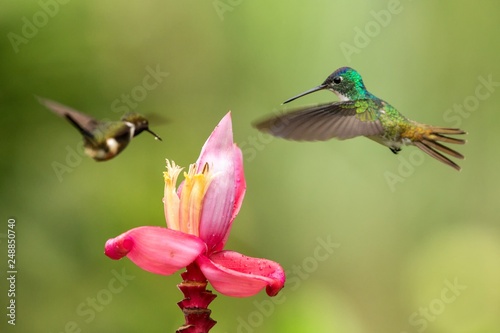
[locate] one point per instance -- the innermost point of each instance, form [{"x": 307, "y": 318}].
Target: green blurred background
[{"x": 418, "y": 243}]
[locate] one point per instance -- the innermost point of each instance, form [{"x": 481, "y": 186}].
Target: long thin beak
[
  {"x": 154, "y": 134},
  {"x": 310, "y": 91}
]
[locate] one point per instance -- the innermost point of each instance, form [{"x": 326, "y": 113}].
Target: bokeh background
[{"x": 417, "y": 244}]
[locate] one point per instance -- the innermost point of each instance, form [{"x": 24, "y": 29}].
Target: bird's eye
[{"x": 337, "y": 79}]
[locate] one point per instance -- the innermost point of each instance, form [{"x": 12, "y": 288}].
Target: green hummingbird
[
  {"x": 360, "y": 113},
  {"x": 103, "y": 140}
]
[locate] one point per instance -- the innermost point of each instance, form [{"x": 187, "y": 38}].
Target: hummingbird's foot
[{"x": 395, "y": 150}]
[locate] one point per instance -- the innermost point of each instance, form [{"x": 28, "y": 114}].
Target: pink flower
[{"x": 199, "y": 215}]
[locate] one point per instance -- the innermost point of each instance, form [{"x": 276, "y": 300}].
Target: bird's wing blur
[
  {"x": 84, "y": 123},
  {"x": 341, "y": 120}
]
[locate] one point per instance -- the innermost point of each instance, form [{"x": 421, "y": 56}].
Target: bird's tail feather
[{"x": 430, "y": 145}]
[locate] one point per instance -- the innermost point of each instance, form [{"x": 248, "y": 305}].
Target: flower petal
[
  {"x": 241, "y": 184},
  {"x": 219, "y": 201},
  {"x": 233, "y": 274},
  {"x": 155, "y": 249},
  {"x": 240, "y": 189}
]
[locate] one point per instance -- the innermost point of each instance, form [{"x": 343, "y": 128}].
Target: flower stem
[{"x": 195, "y": 302}]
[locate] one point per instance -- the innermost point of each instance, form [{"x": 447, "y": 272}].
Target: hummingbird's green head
[
  {"x": 345, "y": 82},
  {"x": 139, "y": 122}
]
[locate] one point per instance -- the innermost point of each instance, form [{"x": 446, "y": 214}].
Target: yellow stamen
[
  {"x": 170, "y": 197},
  {"x": 193, "y": 192}
]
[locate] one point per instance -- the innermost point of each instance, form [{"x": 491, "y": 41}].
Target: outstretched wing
[
  {"x": 84, "y": 123},
  {"x": 341, "y": 120}
]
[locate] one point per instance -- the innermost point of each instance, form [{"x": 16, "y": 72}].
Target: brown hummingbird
[{"x": 103, "y": 140}]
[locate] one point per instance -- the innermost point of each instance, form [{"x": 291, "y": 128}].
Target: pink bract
[{"x": 199, "y": 215}]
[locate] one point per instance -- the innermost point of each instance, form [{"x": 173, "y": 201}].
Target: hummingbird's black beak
[
  {"x": 154, "y": 134},
  {"x": 310, "y": 91}
]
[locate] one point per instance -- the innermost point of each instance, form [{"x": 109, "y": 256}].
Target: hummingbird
[
  {"x": 103, "y": 140},
  {"x": 360, "y": 113}
]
